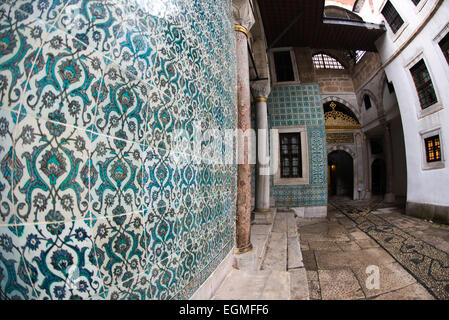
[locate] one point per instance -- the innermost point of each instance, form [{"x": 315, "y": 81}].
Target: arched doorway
[
  {"x": 341, "y": 174},
  {"x": 379, "y": 177}
]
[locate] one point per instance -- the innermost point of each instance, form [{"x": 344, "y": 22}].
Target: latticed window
[
  {"x": 423, "y": 84},
  {"x": 290, "y": 144},
  {"x": 392, "y": 16},
  {"x": 284, "y": 66},
  {"x": 323, "y": 61},
  {"x": 433, "y": 149},
  {"x": 444, "y": 45}
]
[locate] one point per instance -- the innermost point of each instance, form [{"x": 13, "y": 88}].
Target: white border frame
[
  {"x": 277, "y": 180},
  {"x": 437, "y": 106},
  {"x": 394, "y": 36},
  {"x": 436, "y": 41},
  {"x": 420, "y": 6},
  {"x": 431, "y": 165},
  {"x": 273, "y": 66}
]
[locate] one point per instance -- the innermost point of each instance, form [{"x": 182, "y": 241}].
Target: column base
[
  {"x": 262, "y": 210},
  {"x": 262, "y": 217},
  {"x": 389, "y": 197},
  {"x": 243, "y": 250}
]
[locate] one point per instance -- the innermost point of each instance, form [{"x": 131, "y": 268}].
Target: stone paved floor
[
  {"x": 331, "y": 259},
  {"x": 411, "y": 254}
]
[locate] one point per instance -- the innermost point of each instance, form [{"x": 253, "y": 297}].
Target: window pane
[
  {"x": 444, "y": 45},
  {"x": 283, "y": 65},
  {"x": 323, "y": 61},
  {"x": 291, "y": 166},
  {"x": 433, "y": 149},
  {"x": 423, "y": 83},
  {"x": 392, "y": 16}
]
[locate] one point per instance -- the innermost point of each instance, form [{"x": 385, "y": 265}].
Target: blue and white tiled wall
[
  {"x": 300, "y": 105},
  {"x": 96, "y": 201}
]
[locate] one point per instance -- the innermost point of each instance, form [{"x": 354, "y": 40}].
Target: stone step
[
  {"x": 294, "y": 254},
  {"x": 276, "y": 254},
  {"x": 255, "y": 285},
  {"x": 260, "y": 235},
  {"x": 274, "y": 269}
]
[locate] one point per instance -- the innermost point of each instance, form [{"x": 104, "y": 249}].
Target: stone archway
[{"x": 355, "y": 110}]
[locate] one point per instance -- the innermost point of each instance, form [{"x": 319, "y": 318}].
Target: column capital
[
  {"x": 261, "y": 89},
  {"x": 243, "y": 15}
]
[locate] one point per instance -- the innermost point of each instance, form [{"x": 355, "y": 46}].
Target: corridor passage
[
  {"x": 338, "y": 254},
  {"x": 411, "y": 254}
]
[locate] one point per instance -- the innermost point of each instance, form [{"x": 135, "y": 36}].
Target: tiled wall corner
[{"x": 97, "y": 199}]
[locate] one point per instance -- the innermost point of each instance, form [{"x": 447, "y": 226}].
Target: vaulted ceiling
[{"x": 301, "y": 23}]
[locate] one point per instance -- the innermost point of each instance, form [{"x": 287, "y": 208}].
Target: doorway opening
[
  {"x": 341, "y": 174},
  {"x": 379, "y": 177}
]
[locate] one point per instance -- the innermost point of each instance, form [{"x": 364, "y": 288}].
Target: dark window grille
[
  {"x": 392, "y": 16},
  {"x": 367, "y": 101},
  {"x": 323, "y": 61},
  {"x": 433, "y": 149},
  {"x": 423, "y": 83},
  {"x": 291, "y": 164},
  {"x": 284, "y": 66},
  {"x": 444, "y": 45}
]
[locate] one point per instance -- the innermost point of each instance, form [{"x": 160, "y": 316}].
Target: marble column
[
  {"x": 389, "y": 196},
  {"x": 261, "y": 91},
  {"x": 367, "y": 167},
  {"x": 244, "y": 20}
]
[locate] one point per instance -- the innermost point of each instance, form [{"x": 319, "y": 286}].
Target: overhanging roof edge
[{"x": 352, "y": 23}]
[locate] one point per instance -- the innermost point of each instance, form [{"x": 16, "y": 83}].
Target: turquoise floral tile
[
  {"x": 119, "y": 243},
  {"x": 122, "y": 113},
  {"x": 51, "y": 171},
  {"x": 15, "y": 278},
  {"x": 60, "y": 260},
  {"x": 93, "y": 22},
  {"x": 116, "y": 176},
  {"x": 67, "y": 78},
  {"x": 98, "y": 198},
  {"x": 23, "y": 35},
  {"x": 6, "y": 165}
]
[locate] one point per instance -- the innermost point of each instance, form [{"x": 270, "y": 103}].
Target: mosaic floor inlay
[{"x": 426, "y": 263}]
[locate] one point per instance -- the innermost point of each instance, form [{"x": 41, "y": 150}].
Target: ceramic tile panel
[
  {"x": 300, "y": 105},
  {"x": 99, "y": 198}
]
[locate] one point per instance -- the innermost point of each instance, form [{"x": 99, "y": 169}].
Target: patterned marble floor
[{"x": 420, "y": 247}]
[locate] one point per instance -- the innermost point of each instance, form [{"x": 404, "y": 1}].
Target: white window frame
[
  {"x": 436, "y": 43},
  {"x": 431, "y": 165},
  {"x": 437, "y": 106},
  {"x": 420, "y": 6},
  {"x": 394, "y": 36},
  {"x": 278, "y": 181},
  {"x": 273, "y": 66}
]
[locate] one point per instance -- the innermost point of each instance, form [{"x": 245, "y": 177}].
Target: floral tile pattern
[
  {"x": 115, "y": 176},
  {"x": 110, "y": 186},
  {"x": 66, "y": 77},
  {"x": 6, "y": 160},
  {"x": 51, "y": 171}
]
